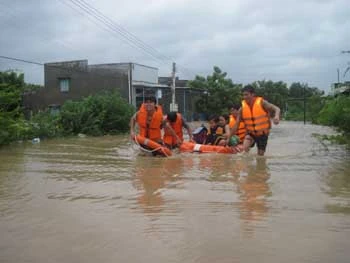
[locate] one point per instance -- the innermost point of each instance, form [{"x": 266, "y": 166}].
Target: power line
[
  {"x": 96, "y": 17},
  {"x": 22, "y": 60},
  {"x": 110, "y": 29},
  {"x": 111, "y": 26},
  {"x": 128, "y": 33},
  {"x": 116, "y": 28}
]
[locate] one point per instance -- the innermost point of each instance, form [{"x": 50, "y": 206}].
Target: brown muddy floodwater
[{"x": 97, "y": 200}]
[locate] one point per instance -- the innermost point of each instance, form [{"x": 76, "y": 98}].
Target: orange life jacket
[
  {"x": 256, "y": 119},
  {"x": 220, "y": 130},
  {"x": 151, "y": 130},
  {"x": 177, "y": 127},
  {"x": 241, "y": 131},
  {"x": 213, "y": 134}
]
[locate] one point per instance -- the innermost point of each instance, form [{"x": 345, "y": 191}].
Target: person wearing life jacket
[
  {"x": 241, "y": 131},
  {"x": 176, "y": 122},
  {"x": 224, "y": 121},
  {"x": 222, "y": 130},
  {"x": 150, "y": 121},
  {"x": 255, "y": 114}
]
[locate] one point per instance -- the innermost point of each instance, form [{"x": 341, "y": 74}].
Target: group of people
[
  {"x": 150, "y": 121},
  {"x": 248, "y": 124}
]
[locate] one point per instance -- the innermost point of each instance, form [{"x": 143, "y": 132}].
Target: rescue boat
[
  {"x": 152, "y": 146},
  {"x": 204, "y": 148}
]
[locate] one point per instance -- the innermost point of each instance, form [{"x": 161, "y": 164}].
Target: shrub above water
[{"x": 107, "y": 113}]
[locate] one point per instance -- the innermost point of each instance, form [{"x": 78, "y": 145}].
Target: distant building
[
  {"x": 341, "y": 88},
  {"x": 73, "y": 80}
]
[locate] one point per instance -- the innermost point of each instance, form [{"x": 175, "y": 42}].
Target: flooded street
[{"x": 99, "y": 200}]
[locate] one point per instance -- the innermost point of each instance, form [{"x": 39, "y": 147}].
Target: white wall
[{"x": 145, "y": 74}]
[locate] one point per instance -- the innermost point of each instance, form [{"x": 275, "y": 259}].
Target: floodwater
[{"x": 99, "y": 200}]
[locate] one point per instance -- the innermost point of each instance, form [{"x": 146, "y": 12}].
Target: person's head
[
  {"x": 234, "y": 109},
  {"x": 224, "y": 119},
  {"x": 213, "y": 120},
  {"x": 248, "y": 93},
  {"x": 150, "y": 103},
  {"x": 172, "y": 116}
]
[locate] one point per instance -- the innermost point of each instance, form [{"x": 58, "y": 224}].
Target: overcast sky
[{"x": 290, "y": 40}]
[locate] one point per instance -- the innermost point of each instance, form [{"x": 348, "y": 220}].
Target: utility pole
[
  {"x": 173, "y": 105},
  {"x": 304, "y": 91}
]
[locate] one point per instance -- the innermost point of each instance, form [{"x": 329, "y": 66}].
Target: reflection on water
[
  {"x": 97, "y": 199},
  {"x": 338, "y": 187},
  {"x": 254, "y": 192},
  {"x": 151, "y": 176},
  {"x": 11, "y": 180},
  {"x": 249, "y": 176}
]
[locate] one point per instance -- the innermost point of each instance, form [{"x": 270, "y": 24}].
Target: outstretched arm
[
  {"x": 272, "y": 108},
  {"x": 227, "y": 131}
]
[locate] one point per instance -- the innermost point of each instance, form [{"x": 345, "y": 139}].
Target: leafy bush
[
  {"x": 336, "y": 113},
  {"x": 45, "y": 125},
  {"x": 96, "y": 115}
]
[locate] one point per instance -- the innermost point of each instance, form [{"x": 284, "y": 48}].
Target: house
[
  {"x": 73, "y": 80},
  {"x": 341, "y": 88}
]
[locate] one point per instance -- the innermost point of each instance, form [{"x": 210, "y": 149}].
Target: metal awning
[{"x": 147, "y": 84}]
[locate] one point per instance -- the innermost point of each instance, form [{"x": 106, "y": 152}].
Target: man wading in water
[{"x": 255, "y": 113}]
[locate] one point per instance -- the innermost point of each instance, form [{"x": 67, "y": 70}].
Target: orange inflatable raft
[
  {"x": 154, "y": 146},
  {"x": 204, "y": 148}
]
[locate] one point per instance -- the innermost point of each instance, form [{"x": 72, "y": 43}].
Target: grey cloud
[{"x": 251, "y": 40}]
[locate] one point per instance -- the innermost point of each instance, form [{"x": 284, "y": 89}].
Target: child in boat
[
  {"x": 199, "y": 135},
  {"x": 224, "y": 123},
  {"x": 223, "y": 130},
  {"x": 212, "y": 132}
]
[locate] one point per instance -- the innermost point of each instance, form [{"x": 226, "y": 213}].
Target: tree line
[
  {"x": 110, "y": 113},
  {"x": 106, "y": 113},
  {"x": 219, "y": 92}
]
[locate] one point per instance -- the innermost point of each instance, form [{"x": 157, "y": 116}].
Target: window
[{"x": 64, "y": 85}]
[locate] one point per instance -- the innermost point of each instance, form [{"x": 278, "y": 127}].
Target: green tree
[
  {"x": 297, "y": 89},
  {"x": 313, "y": 100},
  {"x": 219, "y": 92},
  {"x": 274, "y": 92},
  {"x": 12, "y": 124}
]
